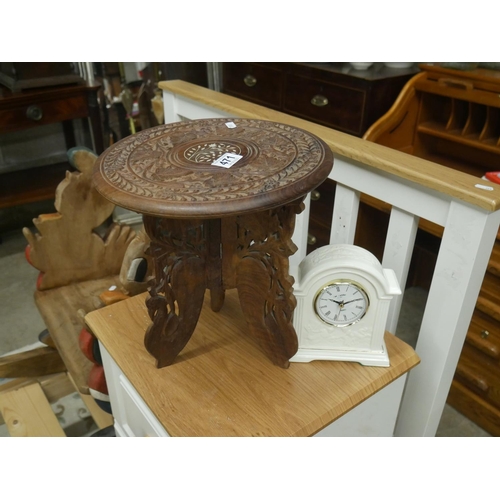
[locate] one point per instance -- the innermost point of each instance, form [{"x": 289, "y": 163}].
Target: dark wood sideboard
[
  {"x": 333, "y": 94},
  {"x": 29, "y": 108},
  {"x": 452, "y": 117}
]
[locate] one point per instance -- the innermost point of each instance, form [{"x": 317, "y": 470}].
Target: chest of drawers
[
  {"x": 332, "y": 94},
  {"x": 36, "y": 108}
]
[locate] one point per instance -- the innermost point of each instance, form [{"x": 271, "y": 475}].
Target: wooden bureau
[{"x": 452, "y": 117}]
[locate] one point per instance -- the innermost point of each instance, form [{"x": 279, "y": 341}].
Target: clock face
[{"x": 341, "y": 303}]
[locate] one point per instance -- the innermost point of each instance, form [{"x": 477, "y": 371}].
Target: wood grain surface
[
  {"x": 169, "y": 170},
  {"x": 33, "y": 363},
  {"x": 222, "y": 384},
  {"x": 59, "y": 309},
  {"x": 66, "y": 249},
  {"x": 27, "y": 413}
]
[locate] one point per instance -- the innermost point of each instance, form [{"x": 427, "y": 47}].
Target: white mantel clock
[{"x": 343, "y": 296}]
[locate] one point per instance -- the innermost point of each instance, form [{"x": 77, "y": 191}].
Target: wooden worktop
[{"x": 223, "y": 385}]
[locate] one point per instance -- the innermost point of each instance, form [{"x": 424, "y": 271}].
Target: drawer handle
[
  {"x": 319, "y": 100},
  {"x": 311, "y": 240},
  {"x": 483, "y": 344},
  {"x": 250, "y": 80},
  {"x": 315, "y": 195},
  {"x": 485, "y": 334},
  {"x": 34, "y": 113}
]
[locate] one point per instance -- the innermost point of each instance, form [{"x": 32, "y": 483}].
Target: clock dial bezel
[{"x": 337, "y": 282}]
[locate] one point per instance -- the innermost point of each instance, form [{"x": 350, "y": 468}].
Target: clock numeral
[{"x": 328, "y": 313}]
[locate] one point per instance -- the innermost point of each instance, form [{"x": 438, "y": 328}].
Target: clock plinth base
[{"x": 376, "y": 358}]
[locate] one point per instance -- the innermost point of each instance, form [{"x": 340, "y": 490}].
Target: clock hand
[
  {"x": 353, "y": 300},
  {"x": 341, "y": 304}
]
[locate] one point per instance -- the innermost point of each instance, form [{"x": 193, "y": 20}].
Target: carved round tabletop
[{"x": 169, "y": 170}]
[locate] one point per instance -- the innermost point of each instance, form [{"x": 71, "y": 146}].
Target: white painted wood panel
[{"x": 398, "y": 250}]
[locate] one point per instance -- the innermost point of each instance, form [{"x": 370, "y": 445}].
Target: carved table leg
[
  {"x": 265, "y": 288},
  {"x": 188, "y": 259},
  {"x": 214, "y": 264},
  {"x": 178, "y": 249}
]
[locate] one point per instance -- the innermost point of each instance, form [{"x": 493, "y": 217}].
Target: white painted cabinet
[
  {"x": 132, "y": 416},
  {"x": 375, "y": 417}
]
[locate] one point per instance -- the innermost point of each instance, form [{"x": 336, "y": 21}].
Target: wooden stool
[{"x": 217, "y": 228}]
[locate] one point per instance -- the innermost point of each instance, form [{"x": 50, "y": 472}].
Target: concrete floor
[{"x": 21, "y": 323}]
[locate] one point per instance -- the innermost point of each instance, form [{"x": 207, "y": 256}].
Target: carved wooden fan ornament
[
  {"x": 66, "y": 248},
  {"x": 219, "y": 199}
]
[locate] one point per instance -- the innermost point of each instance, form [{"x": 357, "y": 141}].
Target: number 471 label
[{"x": 227, "y": 160}]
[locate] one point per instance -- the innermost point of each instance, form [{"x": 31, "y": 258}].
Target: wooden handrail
[{"x": 428, "y": 174}]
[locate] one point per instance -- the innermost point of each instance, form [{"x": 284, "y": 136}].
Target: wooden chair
[
  {"x": 410, "y": 188},
  {"x": 78, "y": 268}
]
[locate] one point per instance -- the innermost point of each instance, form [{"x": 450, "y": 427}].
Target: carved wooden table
[{"x": 215, "y": 227}]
